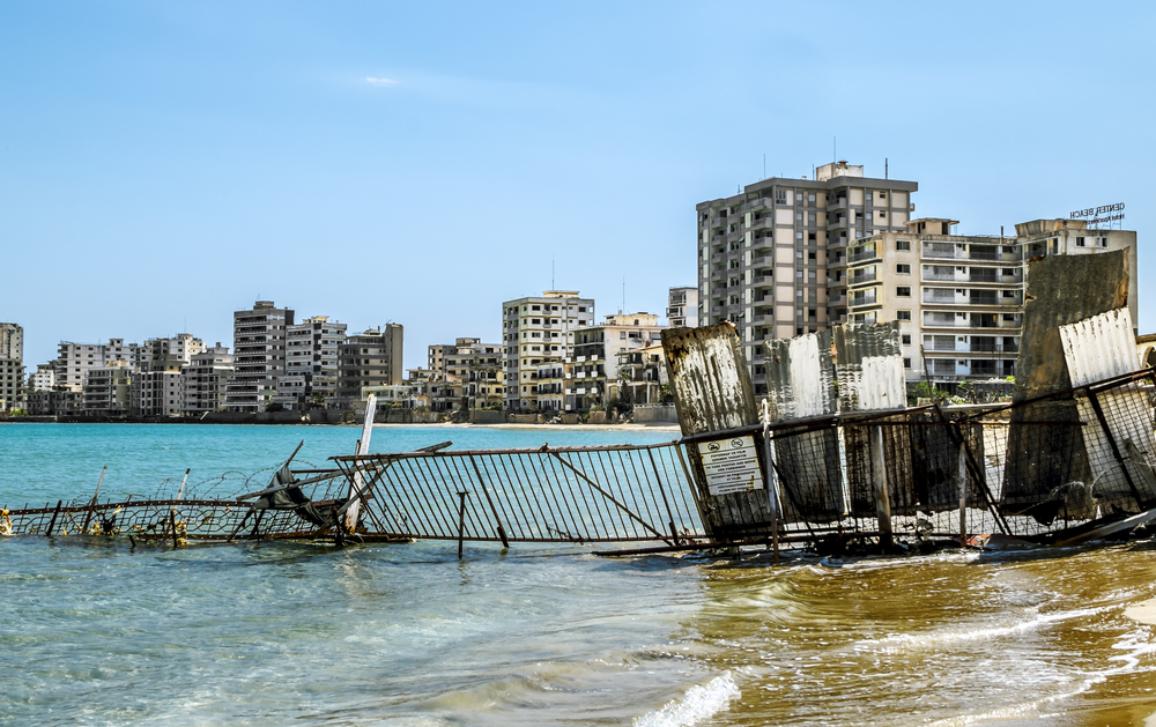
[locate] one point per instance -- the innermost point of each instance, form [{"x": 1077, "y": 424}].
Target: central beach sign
[{"x": 731, "y": 465}]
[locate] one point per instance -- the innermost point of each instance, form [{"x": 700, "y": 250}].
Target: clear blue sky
[{"x": 165, "y": 163}]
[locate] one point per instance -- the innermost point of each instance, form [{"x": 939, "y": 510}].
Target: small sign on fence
[{"x": 731, "y": 465}]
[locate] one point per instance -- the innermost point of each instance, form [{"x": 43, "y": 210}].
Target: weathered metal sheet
[
  {"x": 1100, "y": 347},
  {"x": 1062, "y": 289},
  {"x": 713, "y": 393},
  {"x": 869, "y": 366},
  {"x": 801, "y": 376},
  {"x": 712, "y": 387}
]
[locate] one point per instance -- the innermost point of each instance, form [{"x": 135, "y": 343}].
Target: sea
[{"x": 98, "y": 632}]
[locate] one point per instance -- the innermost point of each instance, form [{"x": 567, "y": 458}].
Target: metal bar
[
  {"x": 665, "y": 501},
  {"x": 527, "y": 520},
  {"x": 600, "y": 506},
  {"x": 173, "y": 527},
  {"x": 976, "y": 471},
  {"x": 490, "y": 502},
  {"x": 610, "y": 497},
  {"x": 461, "y": 522},
  {"x": 417, "y": 454},
  {"x": 610, "y": 477},
  {"x": 579, "y": 531},
  {"x": 52, "y": 523},
  {"x": 646, "y": 501},
  {"x": 454, "y": 479},
  {"x": 1119, "y": 457}
]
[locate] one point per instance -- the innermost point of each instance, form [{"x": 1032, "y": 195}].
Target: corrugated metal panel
[
  {"x": 1100, "y": 347},
  {"x": 868, "y": 366},
  {"x": 801, "y": 376}
]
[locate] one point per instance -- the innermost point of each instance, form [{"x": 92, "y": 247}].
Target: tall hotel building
[
  {"x": 258, "y": 356},
  {"x": 11, "y": 365},
  {"x": 773, "y": 259},
  {"x": 538, "y": 336}
]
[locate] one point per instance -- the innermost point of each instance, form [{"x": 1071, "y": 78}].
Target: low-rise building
[
  {"x": 597, "y": 353},
  {"x": 157, "y": 393}
]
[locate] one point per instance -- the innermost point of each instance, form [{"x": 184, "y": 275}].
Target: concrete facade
[
  {"x": 11, "y": 366},
  {"x": 312, "y": 358},
  {"x": 538, "y": 338},
  {"x": 959, "y": 299},
  {"x": 772, "y": 260},
  {"x": 598, "y": 351},
  {"x": 469, "y": 375},
  {"x": 258, "y": 355},
  {"x": 75, "y": 360},
  {"x": 206, "y": 379},
  {"x": 108, "y": 390},
  {"x": 682, "y": 308},
  {"x": 370, "y": 360}
]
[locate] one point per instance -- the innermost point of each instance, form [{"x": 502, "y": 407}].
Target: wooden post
[
  {"x": 357, "y": 483},
  {"x": 882, "y": 492}
]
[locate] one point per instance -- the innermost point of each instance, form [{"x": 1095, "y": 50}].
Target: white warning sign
[{"x": 731, "y": 465}]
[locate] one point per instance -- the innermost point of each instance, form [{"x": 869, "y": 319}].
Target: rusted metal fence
[
  {"x": 1031, "y": 468},
  {"x": 552, "y": 494}
]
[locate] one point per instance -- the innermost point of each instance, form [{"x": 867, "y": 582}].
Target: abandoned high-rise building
[{"x": 773, "y": 258}]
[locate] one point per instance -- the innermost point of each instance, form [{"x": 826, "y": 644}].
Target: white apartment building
[
  {"x": 538, "y": 339},
  {"x": 773, "y": 258},
  {"x": 598, "y": 351},
  {"x": 959, "y": 298},
  {"x": 205, "y": 380},
  {"x": 258, "y": 354},
  {"x": 75, "y": 360},
  {"x": 312, "y": 355},
  {"x": 11, "y": 366},
  {"x": 682, "y": 308}
]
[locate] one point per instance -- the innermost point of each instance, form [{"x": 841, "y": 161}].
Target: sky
[{"x": 163, "y": 164}]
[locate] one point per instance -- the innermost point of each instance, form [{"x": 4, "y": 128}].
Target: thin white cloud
[{"x": 381, "y": 81}]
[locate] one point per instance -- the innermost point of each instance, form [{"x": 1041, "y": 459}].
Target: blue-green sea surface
[{"x": 97, "y": 632}]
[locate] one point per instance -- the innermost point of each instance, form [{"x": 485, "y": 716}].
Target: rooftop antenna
[
  {"x": 834, "y": 148},
  {"x": 622, "y": 308},
  {"x": 552, "y": 273},
  {"x": 764, "y": 165},
  {"x": 885, "y": 168}
]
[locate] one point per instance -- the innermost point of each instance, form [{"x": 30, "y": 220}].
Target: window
[
  {"x": 906, "y": 363},
  {"x": 903, "y": 269},
  {"x": 905, "y": 339},
  {"x": 902, "y": 245},
  {"x": 903, "y": 315},
  {"x": 903, "y": 291},
  {"x": 1079, "y": 242}
]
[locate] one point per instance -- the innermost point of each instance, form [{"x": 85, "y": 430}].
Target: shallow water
[{"x": 406, "y": 635}]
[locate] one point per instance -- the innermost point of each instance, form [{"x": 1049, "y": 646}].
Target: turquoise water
[{"x": 96, "y": 632}]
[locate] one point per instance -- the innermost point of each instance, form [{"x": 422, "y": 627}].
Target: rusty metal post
[
  {"x": 665, "y": 500},
  {"x": 52, "y": 523},
  {"x": 173, "y": 527},
  {"x": 961, "y": 475},
  {"x": 882, "y": 491},
  {"x": 461, "y": 522}
]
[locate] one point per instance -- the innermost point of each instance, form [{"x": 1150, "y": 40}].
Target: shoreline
[
  {"x": 628, "y": 427},
  {"x": 625, "y": 427}
]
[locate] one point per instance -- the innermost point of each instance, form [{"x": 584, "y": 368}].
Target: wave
[{"x": 700, "y": 703}]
